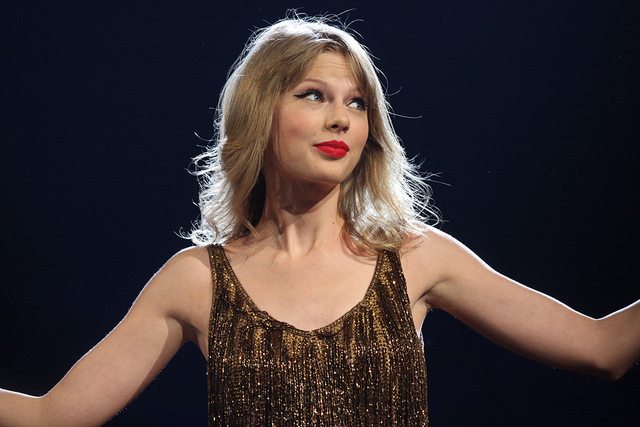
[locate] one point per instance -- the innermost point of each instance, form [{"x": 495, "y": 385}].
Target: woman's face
[{"x": 322, "y": 125}]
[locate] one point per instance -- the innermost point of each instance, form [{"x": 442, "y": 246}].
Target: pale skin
[{"x": 289, "y": 270}]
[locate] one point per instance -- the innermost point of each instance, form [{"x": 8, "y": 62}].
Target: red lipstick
[{"x": 334, "y": 149}]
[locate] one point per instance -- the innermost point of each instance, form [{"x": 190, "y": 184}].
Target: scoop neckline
[{"x": 326, "y": 330}]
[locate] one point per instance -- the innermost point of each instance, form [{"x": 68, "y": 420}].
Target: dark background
[{"x": 528, "y": 110}]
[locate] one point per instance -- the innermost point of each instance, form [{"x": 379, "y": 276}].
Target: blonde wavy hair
[{"x": 382, "y": 202}]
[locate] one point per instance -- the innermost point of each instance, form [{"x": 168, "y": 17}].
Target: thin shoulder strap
[
  {"x": 393, "y": 291},
  {"x": 216, "y": 262},
  {"x": 398, "y": 276}
]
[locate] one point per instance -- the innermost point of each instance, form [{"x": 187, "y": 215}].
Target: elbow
[
  {"x": 609, "y": 374},
  {"x": 614, "y": 373},
  {"x": 41, "y": 413},
  {"x": 611, "y": 354},
  {"x": 608, "y": 369}
]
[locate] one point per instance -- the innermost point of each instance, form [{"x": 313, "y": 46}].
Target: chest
[
  {"x": 307, "y": 294},
  {"x": 357, "y": 369}
]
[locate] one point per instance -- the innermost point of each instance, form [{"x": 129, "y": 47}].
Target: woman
[{"x": 310, "y": 319}]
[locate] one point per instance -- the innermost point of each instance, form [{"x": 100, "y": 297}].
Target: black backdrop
[{"x": 529, "y": 111}]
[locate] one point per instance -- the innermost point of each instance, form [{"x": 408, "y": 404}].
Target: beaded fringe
[{"x": 366, "y": 368}]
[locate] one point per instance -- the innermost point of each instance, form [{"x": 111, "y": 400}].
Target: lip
[{"x": 334, "y": 148}]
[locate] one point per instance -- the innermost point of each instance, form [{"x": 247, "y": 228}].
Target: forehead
[{"x": 332, "y": 66}]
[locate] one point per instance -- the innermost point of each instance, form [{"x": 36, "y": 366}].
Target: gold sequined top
[{"x": 366, "y": 368}]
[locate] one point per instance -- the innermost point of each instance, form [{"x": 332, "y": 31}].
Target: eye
[
  {"x": 359, "y": 104},
  {"x": 310, "y": 94}
]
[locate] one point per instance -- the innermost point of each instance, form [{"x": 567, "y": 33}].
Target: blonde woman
[{"x": 314, "y": 268}]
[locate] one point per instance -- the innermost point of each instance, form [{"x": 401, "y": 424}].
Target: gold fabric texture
[{"x": 366, "y": 368}]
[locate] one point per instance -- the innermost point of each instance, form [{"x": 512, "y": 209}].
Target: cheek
[
  {"x": 363, "y": 134},
  {"x": 294, "y": 135},
  {"x": 300, "y": 126},
  {"x": 288, "y": 144},
  {"x": 292, "y": 126}
]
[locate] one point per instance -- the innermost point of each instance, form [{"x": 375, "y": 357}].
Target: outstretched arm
[
  {"x": 524, "y": 320},
  {"x": 109, "y": 376}
]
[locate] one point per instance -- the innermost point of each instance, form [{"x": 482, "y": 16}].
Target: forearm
[
  {"x": 17, "y": 409},
  {"x": 620, "y": 340}
]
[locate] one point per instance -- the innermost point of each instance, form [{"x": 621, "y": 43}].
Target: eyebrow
[{"x": 356, "y": 88}]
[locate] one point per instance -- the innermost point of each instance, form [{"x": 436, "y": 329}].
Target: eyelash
[{"x": 306, "y": 93}]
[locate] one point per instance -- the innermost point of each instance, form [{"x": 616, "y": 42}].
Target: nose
[{"x": 337, "y": 119}]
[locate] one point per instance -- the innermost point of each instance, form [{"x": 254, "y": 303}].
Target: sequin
[{"x": 365, "y": 368}]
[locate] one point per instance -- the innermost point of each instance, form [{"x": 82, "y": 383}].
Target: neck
[{"x": 300, "y": 217}]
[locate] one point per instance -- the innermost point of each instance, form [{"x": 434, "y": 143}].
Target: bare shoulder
[
  {"x": 434, "y": 248},
  {"x": 427, "y": 258},
  {"x": 182, "y": 289},
  {"x": 188, "y": 267},
  {"x": 424, "y": 249},
  {"x": 187, "y": 274},
  {"x": 185, "y": 271}
]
